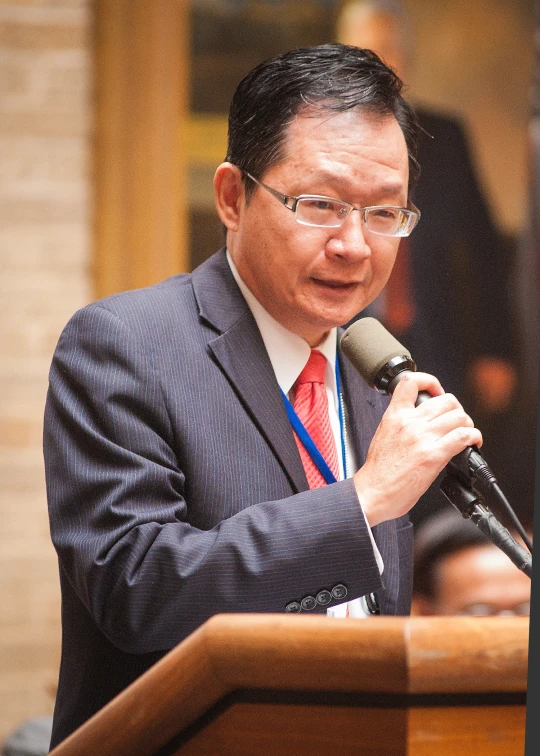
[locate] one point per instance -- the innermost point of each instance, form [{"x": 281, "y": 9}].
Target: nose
[{"x": 349, "y": 241}]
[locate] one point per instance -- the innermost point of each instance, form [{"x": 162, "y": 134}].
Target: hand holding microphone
[
  {"x": 417, "y": 439},
  {"x": 414, "y": 442}
]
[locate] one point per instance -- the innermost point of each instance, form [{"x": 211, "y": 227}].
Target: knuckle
[
  {"x": 405, "y": 380},
  {"x": 463, "y": 419},
  {"x": 452, "y": 401}
]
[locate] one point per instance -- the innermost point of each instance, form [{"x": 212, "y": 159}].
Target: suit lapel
[{"x": 239, "y": 350}]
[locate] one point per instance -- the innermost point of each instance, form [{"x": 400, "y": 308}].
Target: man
[
  {"x": 177, "y": 488},
  {"x": 457, "y": 571}
]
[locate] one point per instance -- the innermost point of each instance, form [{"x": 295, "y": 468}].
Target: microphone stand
[
  {"x": 457, "y": 486},
  {"x": 470, "y": 503}
]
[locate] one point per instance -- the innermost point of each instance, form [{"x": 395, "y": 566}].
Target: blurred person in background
[
  {"x": 448, "y": 297},
  {"x": 31, "y": 738},
  {"x": 457, "y": 571}
]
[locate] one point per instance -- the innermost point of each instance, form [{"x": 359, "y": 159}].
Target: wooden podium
[{"x": 282, "y": 685}]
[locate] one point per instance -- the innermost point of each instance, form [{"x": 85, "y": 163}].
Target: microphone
[{"x": 382, "y": 361}]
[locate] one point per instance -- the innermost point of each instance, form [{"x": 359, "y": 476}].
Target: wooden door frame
[{"x": 141, "y": 64}]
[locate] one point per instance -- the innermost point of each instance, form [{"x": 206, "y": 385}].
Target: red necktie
[
  {"x": 399, "y": 299},
  {"x": 311, "y": 406}
]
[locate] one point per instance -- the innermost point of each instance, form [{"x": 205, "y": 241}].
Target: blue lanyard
[{"x": 308, "y": 442}]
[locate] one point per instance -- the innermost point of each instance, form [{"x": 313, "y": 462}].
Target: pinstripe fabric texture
[
  {"x": 176, "y": 490},
  {"x": 311, "y": 406}
]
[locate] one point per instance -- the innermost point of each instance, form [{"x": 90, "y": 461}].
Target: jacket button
[
  {"x": 293, "y": 607},
  {"x": 308, "y": 603},
  {"x": 339, "y": 592},
  {"x": 324, "y": 597}
]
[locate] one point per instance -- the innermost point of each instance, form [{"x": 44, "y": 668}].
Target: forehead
[{"x": 349, "y": 146}]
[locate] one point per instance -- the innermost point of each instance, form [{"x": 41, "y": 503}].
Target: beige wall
[{"x": 45, "y": 90}]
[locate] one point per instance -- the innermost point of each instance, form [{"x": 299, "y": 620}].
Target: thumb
[{"x": 410, "y": 384}]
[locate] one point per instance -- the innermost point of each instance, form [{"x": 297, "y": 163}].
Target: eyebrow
[{"x": 332, "y": 178}]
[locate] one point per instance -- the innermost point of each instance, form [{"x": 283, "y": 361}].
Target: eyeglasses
[{"x": 326, "y": 212}]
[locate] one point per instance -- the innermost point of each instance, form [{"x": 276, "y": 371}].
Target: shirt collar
[{"x": 287, "y": 351}]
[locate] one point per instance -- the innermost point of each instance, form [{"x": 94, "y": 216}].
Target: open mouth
[{"x": 336, "y": 285}]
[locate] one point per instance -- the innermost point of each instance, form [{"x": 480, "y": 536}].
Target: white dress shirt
[{"x": 289, "y": 354}]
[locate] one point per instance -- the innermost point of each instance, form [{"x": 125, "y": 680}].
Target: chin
[{"x": 340, "y": 318}]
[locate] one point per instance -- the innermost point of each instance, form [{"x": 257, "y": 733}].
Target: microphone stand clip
[{"x": 470, "y": 503}]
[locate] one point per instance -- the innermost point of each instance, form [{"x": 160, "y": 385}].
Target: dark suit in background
[
  {"x": 176, "y": 489},
  {"x": 458, "y": 268}
]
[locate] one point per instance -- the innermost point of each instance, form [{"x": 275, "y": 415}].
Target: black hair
[
  {"x": 311, "y": 81},
  {"x": 438, "y": 537}
]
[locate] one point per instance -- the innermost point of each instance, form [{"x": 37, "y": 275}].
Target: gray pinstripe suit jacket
[{"x": 176, "y": 490}]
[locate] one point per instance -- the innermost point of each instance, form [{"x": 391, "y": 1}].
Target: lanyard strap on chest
[{"x": 308, "y": 442}]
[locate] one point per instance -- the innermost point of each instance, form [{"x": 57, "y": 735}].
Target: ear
[{"x": 228, "y": 193}]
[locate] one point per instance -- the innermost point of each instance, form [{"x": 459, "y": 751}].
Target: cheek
[
  {"x": 383, "y": 259},
  {"x": 298, "y": 257}
]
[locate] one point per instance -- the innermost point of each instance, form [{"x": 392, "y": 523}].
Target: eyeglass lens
[{"x": 314, "y": 211}]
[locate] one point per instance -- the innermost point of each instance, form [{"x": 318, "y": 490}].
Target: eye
[
  {"x": 385, "y": 213},
  {"x": 320, "y": 204}
]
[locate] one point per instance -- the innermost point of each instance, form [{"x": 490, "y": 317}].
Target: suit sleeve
[{"x": 120, "y": 520}]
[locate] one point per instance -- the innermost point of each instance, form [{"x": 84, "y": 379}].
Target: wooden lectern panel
[
  {"x": 467, "y": 731},
  {"x": 282, "y": 730},
  {"x": 292, "y": 686},
  {"x": 274, "y": 730}
]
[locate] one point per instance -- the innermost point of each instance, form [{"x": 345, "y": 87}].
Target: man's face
[
  {"x": 480, "y": 580},
  {"x": 312, "y": 279}
]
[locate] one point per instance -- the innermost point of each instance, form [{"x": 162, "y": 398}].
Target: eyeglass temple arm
[
  {"x": 283, "y": 198},
  {"x": 412, "y": 206}
]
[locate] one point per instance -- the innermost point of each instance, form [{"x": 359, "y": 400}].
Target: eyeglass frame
[
  {"x": 284, "y": 198},
  {"x": 514, "y": 611}
]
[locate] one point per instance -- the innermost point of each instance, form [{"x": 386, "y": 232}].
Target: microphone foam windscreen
[{"x": 369, "y": 346}]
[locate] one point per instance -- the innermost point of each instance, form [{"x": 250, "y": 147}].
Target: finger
[
  {"x": 406, "y": 391},
  {"x": 438, "y": 405},
  {"x": 459, "y": 439},
  {"x": 449, "y": 421}
]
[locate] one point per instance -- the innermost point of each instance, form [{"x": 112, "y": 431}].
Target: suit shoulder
[
  {"x": 171, "y": 290},
  {"x": 160, "y": 302}
]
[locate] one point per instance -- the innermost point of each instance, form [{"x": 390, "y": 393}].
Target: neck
[{"x": 316, "y": 340}]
